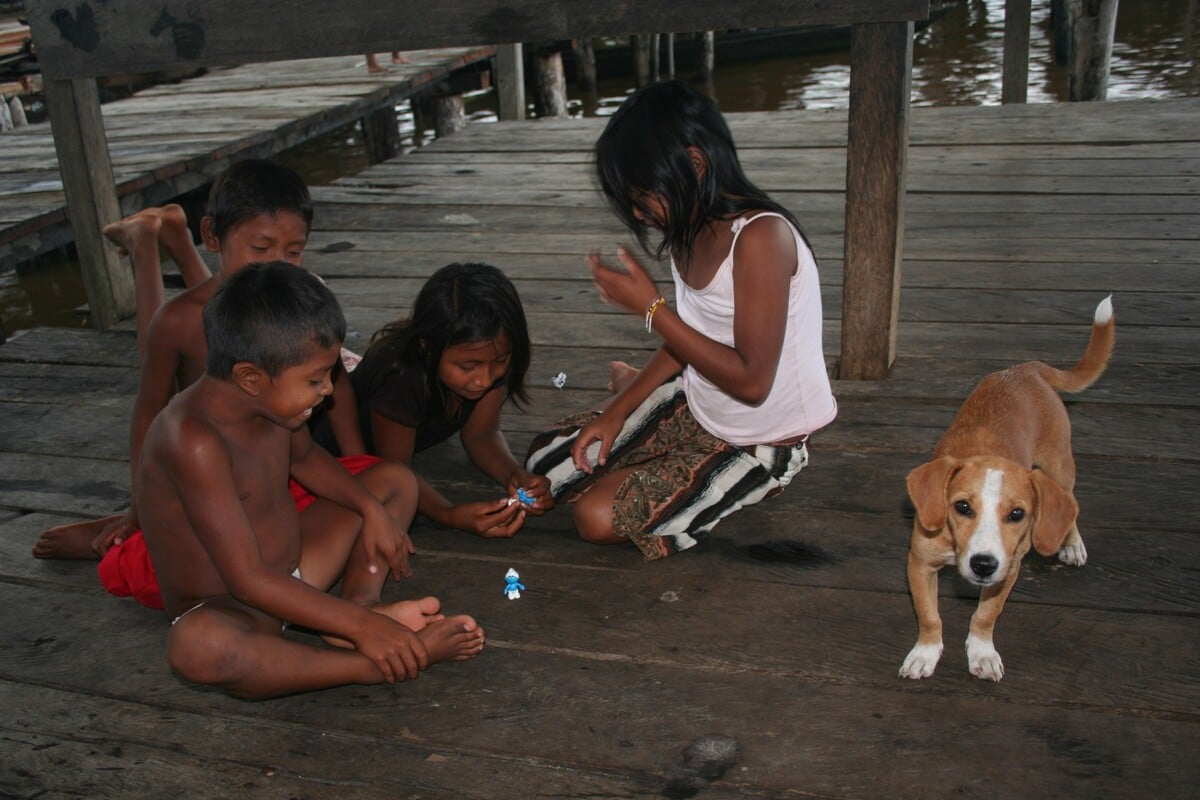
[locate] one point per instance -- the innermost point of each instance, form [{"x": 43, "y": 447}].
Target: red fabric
[{"x": 126, "y": 570}]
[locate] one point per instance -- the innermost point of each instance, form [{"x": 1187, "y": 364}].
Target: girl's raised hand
[{"x": 628, "y": 287}]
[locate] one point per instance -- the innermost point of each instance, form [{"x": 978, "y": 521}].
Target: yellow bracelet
[{"x": 651, "y": 311}]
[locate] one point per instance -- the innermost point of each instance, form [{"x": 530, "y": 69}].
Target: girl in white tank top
[{"x": 719, "y": 416}]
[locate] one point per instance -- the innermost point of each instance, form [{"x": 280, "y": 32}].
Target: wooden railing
[{"x": 80, "y": 41}]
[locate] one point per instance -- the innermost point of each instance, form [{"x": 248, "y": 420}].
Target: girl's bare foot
[
  {"x": 73, "y": 540},
  {"x": 452, "y": 639},
  {"x": 397, "y": 58},
  {"x": 620, "y": 375}
]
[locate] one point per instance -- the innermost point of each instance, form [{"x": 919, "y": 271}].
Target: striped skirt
[{"x": 686, "y": 481}]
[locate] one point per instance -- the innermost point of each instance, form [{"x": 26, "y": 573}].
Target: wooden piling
[
  {"x": 640, "y": 44},
  {"x": 551, "y": 83},
  {"x": 706, "y": 62},
  {"x": 381, "y": 134},
  {"x": 1095, "y": 24},
  {"x": 510, "y": 82},
  {"x": 1015, "y": 80},
  {"x": 585, "y": 64}
]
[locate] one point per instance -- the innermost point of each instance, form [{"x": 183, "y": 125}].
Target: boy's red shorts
[{"x": 126, "y": 570}]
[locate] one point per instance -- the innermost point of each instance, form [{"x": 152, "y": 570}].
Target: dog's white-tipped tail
[{"x": 1104, "y": 311}]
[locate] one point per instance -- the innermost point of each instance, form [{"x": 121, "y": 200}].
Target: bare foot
[
  {"x": 620, "y": 375},
  {"x": 416, "y": 615},
  {"x": 373, "y": 65},
  {"x": 397, "y": 58},
  {"x": 73, "y": 540},
  {"x": 452, "y": 639},
  {"x": 135, "y": 231},
  {"x": 413, "y": 614}
]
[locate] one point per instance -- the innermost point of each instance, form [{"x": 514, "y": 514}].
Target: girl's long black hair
[
  {"x": 643, "y": 151},
  {"x": 461, "y": 302}
]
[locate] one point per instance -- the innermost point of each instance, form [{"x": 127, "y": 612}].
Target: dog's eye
[
  {"x": 1016, "y": 515},
  {"x": 964, "y": 508}
]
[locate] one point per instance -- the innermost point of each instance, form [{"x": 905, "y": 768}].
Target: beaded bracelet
[{"x": 650, "y": 312}]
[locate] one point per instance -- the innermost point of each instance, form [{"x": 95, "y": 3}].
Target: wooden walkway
[
  {"x": 763, "y": 664},
  {"x": 173, "y": 138}
]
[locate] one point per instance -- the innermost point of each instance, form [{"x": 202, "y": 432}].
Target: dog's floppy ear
[
  {"x": 1055, "y": 513},
  {"x": 927, "y": 489}
]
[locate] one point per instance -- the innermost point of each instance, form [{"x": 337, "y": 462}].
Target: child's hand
[
  {"x": 534, "y": 486},
  {"x": 398, "y": 652},
  {"x": 630, "y": 288},
  {"x": 491, "y": 519},
  {"x": 385, "y": 541},
  {"x": 115, "y": 532},
  {"x": 603, "y": 429}
]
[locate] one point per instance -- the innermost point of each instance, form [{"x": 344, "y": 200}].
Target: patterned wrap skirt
[{"x": 686, "y": 481}]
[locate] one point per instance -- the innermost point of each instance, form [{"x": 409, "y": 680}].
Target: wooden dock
[
  {"x": 176, "y": 137},
  {"x": 763, "y": 663}
]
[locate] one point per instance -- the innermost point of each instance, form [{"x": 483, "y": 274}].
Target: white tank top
[{"x": 800, "y": 400}]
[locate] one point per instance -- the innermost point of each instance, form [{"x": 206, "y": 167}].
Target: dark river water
[{"x": 956, "y": 61}]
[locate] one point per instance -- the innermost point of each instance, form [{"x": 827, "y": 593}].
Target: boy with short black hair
[
  {"x": 258, "y": 210},
  {"x": 234, "y": 558}
]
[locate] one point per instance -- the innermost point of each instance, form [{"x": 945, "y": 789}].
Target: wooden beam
[
  {"x": 510, "y": 82},
  {"x": 1015, "y": 79},
  {"x": 94, "y": 39},
  {"x": 877, "y": 147},
  {"x": 83, "y": 162}
]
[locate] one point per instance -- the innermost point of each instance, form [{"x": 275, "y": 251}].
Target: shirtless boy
[
  {"x": 257, "y": 211},
  {"x": 234, "y": 558}
]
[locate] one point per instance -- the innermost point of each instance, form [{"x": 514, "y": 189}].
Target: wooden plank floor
[
  {"x": 763, "y": 663},
  {"x": 176, "y": 137}
]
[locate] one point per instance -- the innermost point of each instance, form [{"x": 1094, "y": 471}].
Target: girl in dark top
[{"x": 448, "y": 368}]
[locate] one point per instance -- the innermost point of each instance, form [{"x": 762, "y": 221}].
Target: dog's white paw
[
  {"x": 983, "y": 659},
  {"x": 921, "y": 661},
  {"x": 1073, "y": 553}
]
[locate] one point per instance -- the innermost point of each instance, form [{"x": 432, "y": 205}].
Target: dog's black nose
[{"x": 984, "y": 565}]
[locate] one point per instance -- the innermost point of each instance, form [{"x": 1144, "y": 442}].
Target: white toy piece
[{"x": 559, "y": 380}]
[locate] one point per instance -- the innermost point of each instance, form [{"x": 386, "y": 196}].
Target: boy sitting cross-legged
[{"x": 235, "y": 560}]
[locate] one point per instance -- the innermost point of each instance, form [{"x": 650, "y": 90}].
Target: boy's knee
[
  {"x": 390, "y": 478},
  {"x": 200, "y": 651}
]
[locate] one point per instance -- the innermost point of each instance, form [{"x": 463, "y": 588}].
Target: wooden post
[
  {"x": 78, "y": 128},
  {"x": 381, "y": 134},
  {"x": 1061, "y": 24},
  {"x": 707, "y": 60},
  {"x": 640, "y": 44},
  {"x": 670, "y": 56},
  {"x": 1015, "y": 85},
  {"x": 876, "y": 150},
  {"x": 551, "y": 84},
  {"x": 510, "y": 82},
  {"x": 585, "y": 65},
  {"x": 1095, "y": 24},
  {"x": 655, "y": 57}
]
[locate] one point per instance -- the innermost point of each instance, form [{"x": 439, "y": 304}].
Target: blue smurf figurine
[
  {"x": 512, "y": 587},
  {"x": 524, "y": 497}
]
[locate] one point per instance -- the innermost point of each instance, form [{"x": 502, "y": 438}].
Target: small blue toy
[
  {"x": 524, "y": 497},
  {"x": 512, "y": 585}
]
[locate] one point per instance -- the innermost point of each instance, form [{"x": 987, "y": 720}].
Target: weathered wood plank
[{"x": 114, "y": 38}]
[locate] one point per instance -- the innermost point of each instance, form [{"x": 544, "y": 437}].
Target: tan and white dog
[{"x": 1001, "y": 478}]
